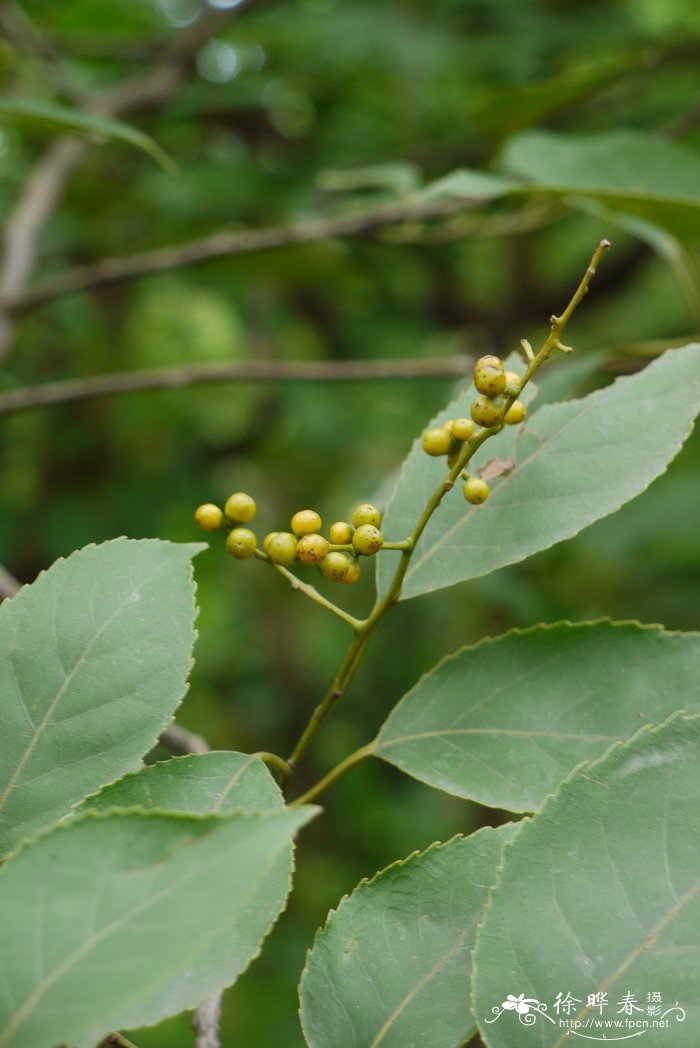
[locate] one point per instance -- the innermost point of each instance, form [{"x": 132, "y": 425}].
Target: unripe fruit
[
  {"x": 435, "y": 442},
  {"x": 462, "y": 429},
  {"x": 334, "y": 567},
  {"x": 352, "y": 574},
  {"x": 486, "y": 412},
  {"x": 516, "y": 413},
  {"x": 282, "y": 549},
  {"x": 490, "y": 380},
  {"x": 240, "y": 508},
  {"x": 241, "y": 543},
  {"x": 311, "y": 549},
  {"x": 341, "y": 533},
  {"x": 512, "y": 384},
  {"x": 367, "y": 540},
  {"x": 306, "y": 522},
  {"x": 209, "y": 517},
  {"x": 476, "y": 490},
  {"x": 366, "y": 513},
  {"x": 448, "y": 425},
  {"x": 489, "y": 361},
  {"x": 268, "y": 538}
]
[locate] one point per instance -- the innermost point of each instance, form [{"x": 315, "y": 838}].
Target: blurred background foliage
[{"x": 276, "y": 118}]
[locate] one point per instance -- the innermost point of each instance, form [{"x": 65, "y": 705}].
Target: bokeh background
[{"x": 273, "y": 118}]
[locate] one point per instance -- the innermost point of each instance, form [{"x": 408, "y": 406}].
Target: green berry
[
  {"x": 334, "y": 567},
  {"x": 311, "y": 549},
  {"x": 209, "y": 517},
  {"x": 436, "y": 442},
  {"x": 241, "y": 543},
  {"x": 486, "y": 412},
  {"x": 240, "y": 508},
  {"x": 489, "y": 380},
  {"x": 341, "y": 533},
  {"x": 366, "y": 513},
  {"x": 513, "y": 381},
  {"x": 367, "y": 540},
  {"x": 516, "y": 413},
  {"x": 476, "y": 490},
  {"x": 352, "y": 574},
  {"x": 268, "y": 538},
  {"x": 462, "y": 429},
  {"x": 282, "y": 549},
  {"x": 306, "y": 522},
  {"x": 488, "y": 361}
]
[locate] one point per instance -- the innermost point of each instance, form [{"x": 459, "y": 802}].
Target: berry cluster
[
  {"x": 496, "y": 387},
  {"x": 336, "y": 557}
]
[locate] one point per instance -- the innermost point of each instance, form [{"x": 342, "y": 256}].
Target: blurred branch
[
  {"x": 205, "y": 1022},
  {"x": 226, "y": 243},
  {"x": 20, "y": 30},
  {"x": 181, "y": 741},
  {"x": 45, "y": 184},
  {"x": 8, "y": 584},
  {"x": 71, "y": 391}
]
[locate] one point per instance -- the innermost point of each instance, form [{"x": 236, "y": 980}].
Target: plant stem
[
  {"x": 364, "y": 630},
  {"x": 279, "y": 763},
  {"x": 310, "y": 591},
  {"x": 333, "y": 776}
]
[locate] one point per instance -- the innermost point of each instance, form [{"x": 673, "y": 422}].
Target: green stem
[
  {"x": 333, "y": 776},
  {"x": 364, "y": 630},
  {"x": 279, "y": 763},
  {"x": 309, "y": 591}
]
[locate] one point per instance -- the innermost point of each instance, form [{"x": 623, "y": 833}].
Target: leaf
[
  {"x": 120, "y": 919},
  {"x": 62, "y": 119},
  {"x": 392, "y": 964},
  {"x": 94, "y": 658},
  {"x": 504, "y": 721},
  {"x": 200, "y": 783},
  {"x": 575, "y": 463},
  {"x": 630, "y": 171},
  {"x": 600, "y": 893}
]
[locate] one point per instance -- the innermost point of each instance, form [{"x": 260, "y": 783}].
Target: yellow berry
[
  {"x": 448, "y": 425},
  {"x": 341, "y": 533},
  {"x": 352, "y": 574},
  {"x": 366, "y": 513},
  {"x": 240, "y": 508},
  {"x": 268, "y": 538},
  {"x": 516, "y": 413},
  {"x": 476, "y": 490},
  {"x": 241, "y": 543},
  {"x": 436, "y": 442},
  {"x": 282, "y": 549},
  {"x": 512, "y": 384},
  {"x": 490, "y": 380},
  {"x": 311, "y": 549},
  {"x": 334, "y": 567},
  {"x": 462, "y": 429},
  {"x": 488, "y": 361},
  {"x": 306, "y": 522},
  {"x": 209, "y": 517},
  {"x": 486, "y": 412},
  {"x": 367, "y": 540}
]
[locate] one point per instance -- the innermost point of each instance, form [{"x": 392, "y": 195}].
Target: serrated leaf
[
  {"x": 200, "y": 784},
  {"x": 576, "y": 462},
  {"x": 600, "y": 893},
  {"x": 61, "y": 118},
  {"x": 94, "y": 658},
  {"x": 117, "y": 920},
  {"x": 504, "y": 721},
  {"x": 391, "y": 967}
]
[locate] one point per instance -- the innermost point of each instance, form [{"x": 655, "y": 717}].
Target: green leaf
[
  {"x": 629, "y": 171},
  {"x": 94, "y": 658},
  {"x": 504, "y": 721},
  {"x": 392, "y": 964},
  {"x": 119, "y": 919},
  {"x": 62, "y": 119},
  {"x": 200, "y": 783},
  {"x": 575, "y": 463},
  {"x": 600, "y": 893}
]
